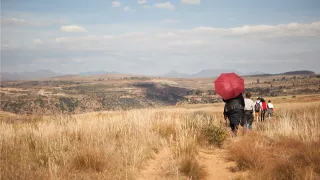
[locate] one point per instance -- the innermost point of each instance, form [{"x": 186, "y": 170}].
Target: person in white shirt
[
  {"x": 248, "y": 112},
  {"x": 270, "y": 109}
]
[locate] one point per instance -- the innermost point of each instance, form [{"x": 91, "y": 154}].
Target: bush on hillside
[
  {"x": 190, "y": 167},
  {"x": 214, "y": 135},
  {"x": 206, "y": 127},
  {"x": 67, "y": 104}
]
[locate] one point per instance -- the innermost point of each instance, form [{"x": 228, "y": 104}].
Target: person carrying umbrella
[
  {"x": 230, "y": 87},
  {"x": 234, "y": 111}
]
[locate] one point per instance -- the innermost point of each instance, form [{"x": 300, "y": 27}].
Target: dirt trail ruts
[
  {"x": 213, "y": 160},
  {"x": 216, "y": 165},
  {"x": 155, "y": 167}
]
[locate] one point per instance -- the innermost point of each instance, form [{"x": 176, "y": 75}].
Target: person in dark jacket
[{"x": 234, "y": 111}]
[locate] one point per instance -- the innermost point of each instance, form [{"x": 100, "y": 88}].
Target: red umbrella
[{"x": 229, "y": 85}]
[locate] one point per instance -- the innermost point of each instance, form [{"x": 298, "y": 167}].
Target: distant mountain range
[
  {"x": 96, "y": 73},
  {"x": 45, "y": 73},
  {"x": 207, "y": 73},
  {"x": 299, "y": 72}
]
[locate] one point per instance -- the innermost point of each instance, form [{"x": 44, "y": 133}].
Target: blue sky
[{"x": 154, "y": 37}]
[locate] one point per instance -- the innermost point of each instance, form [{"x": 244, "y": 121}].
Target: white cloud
[
  {"x": 190, "y": 1},
  {"x": 170, "y": 21},
  {"x": 116, "y": 4},
  {"x": 142, "y": 1},
  {"x": 82, "y": 39},
  {"x": 133, "y": 34},
  {"x": 191, "y": 49},
  {"x": 153, "y": 38},
  {"x": 167, "y": 35},
  {"x": 72, "y": 28},
  {"x": 220, "y": 38},
  {"x": 166, "y": 5},
  {"x": 281, "y": 30},
  {"x": 37, "y": 41},
  {"x": 187, "y": 43},
  {"x": 126, "y": 8},
  {"x": 12, "y": 21}
]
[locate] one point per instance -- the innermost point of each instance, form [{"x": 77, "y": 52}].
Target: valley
[{"x": 76, "y": 94}]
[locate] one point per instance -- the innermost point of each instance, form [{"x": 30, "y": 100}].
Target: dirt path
[
  {"x": 217, "y": 167},
  {"x": 214, "y": 161},
  {"x": 155, "y": 167}
]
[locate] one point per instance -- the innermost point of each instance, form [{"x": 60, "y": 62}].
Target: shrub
[
  {"x": 214, "y": 135},
  {"x": 247, "y": 154},
  {"x": 70, "y": 103},
  {"x": 206, "y": 130},
  {"x": 191, "y": 168},
  {"x": 165, "y": 130},
  {"x": 89, "y": 159},
  {"x": 284, "y": 158}
]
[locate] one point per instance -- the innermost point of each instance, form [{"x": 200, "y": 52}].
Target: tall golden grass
[
  {"x": 111, "y": 145},
  {"x": 286, "y": 147},
  {"x": 117, "y": 145},
  {"x": 297, "y": 121}
]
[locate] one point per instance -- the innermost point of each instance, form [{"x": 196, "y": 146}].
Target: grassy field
[
  {"x": 74, "y": 95},
  {"x": 284, "y": 148},
  {"x": 118, "y": 144}
]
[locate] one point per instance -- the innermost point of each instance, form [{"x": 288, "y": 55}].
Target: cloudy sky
[{"x": 156, "y": 36}]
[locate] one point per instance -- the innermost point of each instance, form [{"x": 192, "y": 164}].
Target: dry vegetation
[
  {"x": 284, "y": 148},
  {"x": 116, "y": 145},
  {"x": 73, "y": 95},
  {"x": 109, "y": 145}
]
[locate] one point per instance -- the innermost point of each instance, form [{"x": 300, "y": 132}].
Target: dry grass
[
  {"x": 100, "y": 146},
  {"x": 285, "y": 158},
  {"x": 284, "y": 148},
  {"x": 115, "y": 145},
  {"x": 66, "y": 147},
  {"x": 295, "y": 120},
  {"x": 188, "y": 135}
]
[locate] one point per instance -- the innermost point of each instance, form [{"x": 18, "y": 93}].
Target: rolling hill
[{"x": 206, "y": 73}]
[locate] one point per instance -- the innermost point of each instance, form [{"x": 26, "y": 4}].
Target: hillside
[
  {"x": 206, "y": 73},
  {"x": 212, "y": 73},
  {"x": 71, "y": 96},
  {"x": 305, "y": 72},
  {"x": 186, "y": 142},
  {"x": 75, "y": 94},
  {"x": 45, "y": 73}
]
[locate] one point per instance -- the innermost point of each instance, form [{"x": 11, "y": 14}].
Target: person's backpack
[{"x": 257, "y": 107}]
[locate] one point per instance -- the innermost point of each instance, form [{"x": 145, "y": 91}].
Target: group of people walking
[
  {"x": 243, "y": 110},
  {"x": 261, "y": 108}
]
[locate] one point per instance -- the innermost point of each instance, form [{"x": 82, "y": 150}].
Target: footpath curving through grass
[{"x": 110, "y": 145}]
